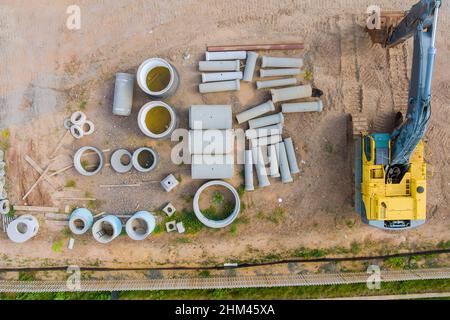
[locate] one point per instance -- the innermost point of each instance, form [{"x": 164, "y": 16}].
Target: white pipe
[
  {"x": 80, "y": 221},
  {"x": 250, "y": 64},
  {"x": 261, "y": 172},
  {"x": 275, "y": 83},
  {"x": 144, "y": 116},
  {"x": 290, "y": 152},
  {"x": 210, "y": 117},
  {"x": 225, "y": 55},
  {"x": 264, "y": 131},
  {"x": 263, "y": 73},
  {"x": 291, "y": 93},
  {"x": 281, "y": 62},
  {"x": 23, "y": 228},
  {"x": 211, "y": 141},
  {"x": 248, "y": 168},
  {"x": 273, "y": 169},
  {"x": 266, "y": 121},
  {"x": 255, "y": 111},
  {"x": 123, "y": 94},
  {"x": 153, "y": 63},
  {"x": 264, "y": 141},
  {"x": 311, "y": 106},
  {"x": 219, "y": 65},
  {"x": 107, "y": 229},
  {"x": 220, "y": 86},
  {"x": 283, "y": 162},
  {"x": 140, "y": 225},
  {"x": 221, "y": 76}
]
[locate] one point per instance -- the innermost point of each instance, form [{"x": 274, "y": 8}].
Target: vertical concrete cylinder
[
  {"x": 23, "y": 228},
  {"x": 80, "y": 221},
  {"x": 255, "y": 111},
  {"x": 250, "y": 64},
  {"x": 157, "y": 120},
  {"x": 107, "y": 229},
  {"x": 291, "y": 93},
  {"x": 264, "y": 131},
  {"x": 145, "y": 159},
  {"x": 275, "y": 83},
  {"x": 248, "y": 168},
  {"x": 123, "y": 94},
  {"x": 279, "y": 62},
  {"x": 140, "y": 225},
  {"x": 266, "y": 121},
  {"x": 220, "y": 86},
  {"x": 290, "y": 152},
  {"x": 261, "y": 173},
  {"x": 273, "y": 169},
  {"x": 312, "y": 106},
  {"x": 284, "y": 163},
  {"x": 225, "y": 55},
  {"x": 221, "y": 76},
  {"x": 158, "y": 78},
  {"x": 219, "y": 65},
  {"x": 263, "y": 73}
]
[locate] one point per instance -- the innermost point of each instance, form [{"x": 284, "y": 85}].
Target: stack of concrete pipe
[
  {"x": 279, "y": 67},
  {"x": 78, "y": 125},
  {"x": 4, "y": 202},
  {"x": 211, "y": 141}
]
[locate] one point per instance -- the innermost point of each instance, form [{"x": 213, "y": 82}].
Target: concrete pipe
[
  {"x": 121, "y": 160},
  {"x": 219, "y": 65},
  {"x": 80, "y": 221},
  {"x": 211, "y": 141},
  {"x": 254, "y": 112},
  {"x": 291, "y": 93},
  {"x": 145, "y": 159},
  {"x": 225, "y": 55},
  {"x": 23, "y": 228},
  {"x": 107, "y": 229},
  {"x": 67, "y": 123},
  {"x": 273, "y": 162},
  {"x": 158, "y": 78},
  {"x": 250, "y": 64},
  {"x": 266, "y": 121},
  {"x": 248, "y": 170},
  {"x": 275, "y": 83},
  {"x": 279, "y": 62},
  {"x": 220, "y": 86},
  {"x": 210, "y": 117},
  {"x": 261, "y": 173},
  {"x": 267, "y": 140},
  {"x": 4, "y": 206},
  {"x": 284, "y": 163},
  {"x": 219, "y": 166},
  {"x": 76, "y": 131},
  {"x": 312, "y": 106},
  {"x": 290, "y": 152},
  {"x": 157, "y": 120},
  {"x": 140, "y": 225},
  {"x": 78, "y": 118},
  {"x": 86, "y": 170},
  {"x": 221, "y": 76},
  {"x": 264, "y": 131},
  {"x": 123, "y": 94},
  {"x": 216, "y": 223},
  {"x": 88, "y": 127},
  {"x": 264, "y": 73}
]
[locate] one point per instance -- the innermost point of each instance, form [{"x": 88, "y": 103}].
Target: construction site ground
[{"x": 48, "y": 71}]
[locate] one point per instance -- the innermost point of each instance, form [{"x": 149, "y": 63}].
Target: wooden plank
[
  {"x": 36, "y": 208},
  {"x": 249, "y": 47},
  {"x": 39, "y": 170},
  {"x": 37, "y": 181}
]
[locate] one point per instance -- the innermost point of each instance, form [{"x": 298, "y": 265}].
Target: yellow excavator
[{"x": 390, "y": 170}]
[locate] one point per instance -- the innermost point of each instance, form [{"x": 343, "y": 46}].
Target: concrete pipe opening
[
  {"x": 107, "y": 229},
  {"x": 22, "y": 229},
  {"x": 145, "y": 159},
  {"x": 121, "y": 161},
  {"x": 216, "y": 204},
  {"x": 80, "y": 221},
  {"x": 88, "y": 161},
  {"x": 157, "y": 120},
  {"x": 140, "y": 225},
  {"x": 157, "y": 77}
]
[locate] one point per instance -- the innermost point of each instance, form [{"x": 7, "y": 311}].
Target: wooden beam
[{"x": 35, "y": 208}]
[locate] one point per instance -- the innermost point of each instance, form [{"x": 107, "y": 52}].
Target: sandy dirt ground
[{"x": 47, "y": 71}]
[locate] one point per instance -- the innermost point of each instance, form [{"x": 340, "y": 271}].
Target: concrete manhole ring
[
  {"x": 78, "y": 163},
  {"x": 117, "y": 163}
]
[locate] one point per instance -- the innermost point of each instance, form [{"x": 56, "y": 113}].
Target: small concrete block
[
  {"x": 180, "y": 227},
  {"x": 67, "y": 209},
  {"x": 169, "y": 209},
  {"x": 171, "y": 226},
  {"x": 71, "y": 243},
  {"x": 169, "y": 182}
]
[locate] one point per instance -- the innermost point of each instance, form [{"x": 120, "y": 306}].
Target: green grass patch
[
  {"x": 57, "y": 246},
  {"x": 71, "y": 184}
]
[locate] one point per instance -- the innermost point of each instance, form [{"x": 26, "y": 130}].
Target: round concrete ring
[
  {"x": 77, "y": 161},
  {"x": 78, "y": 117},
  {"x": 116, "y": 161},
  {"x": 67, "y": 123},
  {"x": 32, "y": 228},
  {"x": 135, "y": 159},
  {"x": 216, "y": 223},
  {"x": 91, "y": 126},
  {"x": 4, "y": 206},
  {"x": 76, "y": 131}
]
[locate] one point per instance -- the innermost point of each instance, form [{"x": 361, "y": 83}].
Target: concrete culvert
[
  {"x": 77, "y": 131},
  {"x": 140, "y": 225},
  {"x": 88, "y": 160},
  {"x": 23, "y": 228},
  {"x": 157, "y": 77},
  {"x": 145, "y": 159},
  {"x": 88, "y": 127},
  {"x": 78, "y": 118},
  {"x": 107, "y": 229},
  {"x": 157, "y": 120},
  {"x": 121, "y": 161},
  {"x": 80, "y": 221}
]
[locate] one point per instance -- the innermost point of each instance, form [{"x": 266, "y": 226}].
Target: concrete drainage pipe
[
  {"x": 107, "y": 229},
  {"x": 77, "y": 131},
  {"x": 157, "y": 120},
  {"x": 86, "y": 169},
  {"x": 216, "y": 223},
  {"x": 157, "y": 77},
  {"x": 140, "y": 225},
  {"x": 78, "y": 118},
  {"x": 4, "y": 206},
  {"x": 145, "y": 159},
  {"x": 23, "y": 228},
  {"x": 90, "y": 127},
  {"x": 80, "y": 221},
  {"x": 121, "y": 161}
]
